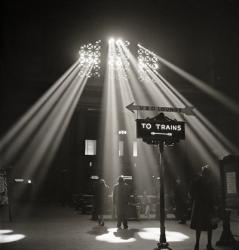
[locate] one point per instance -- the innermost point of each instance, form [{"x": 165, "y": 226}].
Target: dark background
[{"x": 41, "y": 39}]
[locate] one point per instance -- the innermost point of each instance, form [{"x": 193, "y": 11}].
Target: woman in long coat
[
  {"x": 102, "y": 192},
  {"x": 204, "y": 200}
]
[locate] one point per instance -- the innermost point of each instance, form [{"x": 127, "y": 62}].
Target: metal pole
[
  {"x": 9, "y": 197},
  {"x": 163, "y": 244}
]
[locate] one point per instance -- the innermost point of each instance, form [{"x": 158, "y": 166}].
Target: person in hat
[{"x": 120, "y": 201}]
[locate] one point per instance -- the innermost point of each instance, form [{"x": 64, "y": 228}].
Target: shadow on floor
[{"x": 126, "y": 233}]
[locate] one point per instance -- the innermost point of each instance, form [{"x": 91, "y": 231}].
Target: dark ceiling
[{"x": 41, "y": 39}]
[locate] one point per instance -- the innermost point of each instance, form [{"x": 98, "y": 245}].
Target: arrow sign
[
  {"x": 156, "y": 133},
  {"x": 187, "y": 110}
]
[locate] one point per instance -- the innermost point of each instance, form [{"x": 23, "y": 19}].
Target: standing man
[{"x": 120, "y": 201}]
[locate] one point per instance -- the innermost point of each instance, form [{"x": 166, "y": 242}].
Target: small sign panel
[
  {"x": 163, "y": 130},
  {"x": 187, "y": 110},
  {"x": 230, "y": 178},
  {"x": 231, "y": 183}
]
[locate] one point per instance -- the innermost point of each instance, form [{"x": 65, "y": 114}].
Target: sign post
[
  {"x": 161, "y": 131},
  {"x": 162, "y": 240}
]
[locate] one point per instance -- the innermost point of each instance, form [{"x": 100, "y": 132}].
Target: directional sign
[
  {"x": 187, "y": 110},
  {"x": 153, "y": 130},
  {"x": 166, "y": 134}
]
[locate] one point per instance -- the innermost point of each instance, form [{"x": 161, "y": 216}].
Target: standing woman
[
  {"x": 204, "y": 200},
  {"x": 102, "y": 192}
]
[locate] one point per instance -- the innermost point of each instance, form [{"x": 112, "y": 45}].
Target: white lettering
[
  {"x": 148, "y": 126},
  {"x": 157, "y": 126},
  {"x": 168, "y": 127}
]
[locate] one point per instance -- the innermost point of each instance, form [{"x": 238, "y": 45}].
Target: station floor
[{"x": 53, "y": 227}]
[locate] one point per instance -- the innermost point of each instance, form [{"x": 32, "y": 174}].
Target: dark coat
[
  {"x": 181, "y": 200},
  {"x": 121, "y": 196},
  {"x": 203, "y": 195},
  {"x": 101, "y": 193}
]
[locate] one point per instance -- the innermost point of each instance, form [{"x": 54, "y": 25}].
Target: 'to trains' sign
[{"x": 160, "y": 130}]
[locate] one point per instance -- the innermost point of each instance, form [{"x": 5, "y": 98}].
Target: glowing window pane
[
  {"x": 121, "y": 148},
  {"x": 90, "y": 147},
  {"x": 135, "y": 149}
]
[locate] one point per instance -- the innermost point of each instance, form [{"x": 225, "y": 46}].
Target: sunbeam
[{"x": 221, "y": 98}]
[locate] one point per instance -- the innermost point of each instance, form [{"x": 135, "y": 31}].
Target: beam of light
[
  {"x": 118, "y": 41},
  {"x": 154, "y": 233},
  {"x": 111, "y": 40},
  {"x": 114, "y": 236},
  {"x": 221, "y": 98},
  {"x": 199, "y": 128},
  {"x": 215, "y": 140},
  {"x": 22, "y": 130},
  {"x": 46, "y": 140},
  {"x": 7, "y": 236},
  {"x": 32, "y": 143},
  {"x": 109, "y": 122},
  {"x": 147, "y": 154},
  {"x": 178, "y": 100},
  {"x": 128, "y": 91},
  {"x": 125, "y": 95},
  {"x": 118, "y": 92},
  {"x": 140, "y": 92},
  {"x": 205, "y": 144},
  {"x": 203, "y": 140},
  {"x": 54, "y": 127},
  {"x": 112, "y": 118}
]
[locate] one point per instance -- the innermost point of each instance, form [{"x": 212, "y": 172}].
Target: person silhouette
[
  {"x": 146, "y": 204},
  {"x": 181, "y": 200},
  {"x": 102, "y": 191},
  {"x": 203, "y": 197},
  {"x": 120, "y": 201}
]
